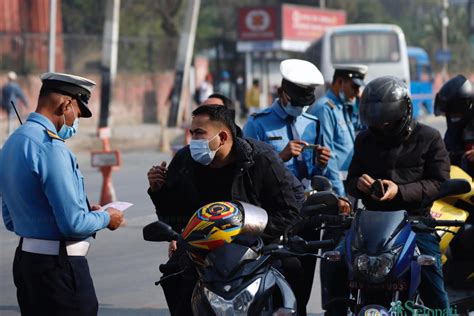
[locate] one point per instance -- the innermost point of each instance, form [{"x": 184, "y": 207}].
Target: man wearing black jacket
[
  {"x": 218, "y": 166},
  {"x": 411, "y": 160}
]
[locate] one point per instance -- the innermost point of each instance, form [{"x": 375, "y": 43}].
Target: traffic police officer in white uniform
[
  {"x": 293, "y": 133},
  {"x": 287, "y": 127},
  {"x": 335, "y": 112},
  {"x": 44, "y": 202}
]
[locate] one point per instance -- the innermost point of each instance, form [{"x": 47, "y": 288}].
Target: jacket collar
[
  {"x": 337, "y": 101},
  {"x": 278, "y": 108},
  {"x": 243, "y": 153}
]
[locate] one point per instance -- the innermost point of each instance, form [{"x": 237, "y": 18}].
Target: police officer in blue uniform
[
  {"x": 293, "y": 133},
  {"x": 335, "y": 114},
  {"x": 286, "y": 126},
  {"x": 44, "y": 202}
]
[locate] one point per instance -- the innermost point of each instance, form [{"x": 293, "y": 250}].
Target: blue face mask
[
  {"x": 294, "y": 111},
  {"x": 201, "y": 152},
  {"x": 344, "y": 100},
  {"x": 67, "y": 131}
]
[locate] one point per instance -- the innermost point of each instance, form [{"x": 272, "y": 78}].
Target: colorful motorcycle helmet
[{"x": 218, "y": 223}]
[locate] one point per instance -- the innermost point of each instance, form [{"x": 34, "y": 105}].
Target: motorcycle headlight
[
  {"x": 375, "y": 267},
  {"x": 239, "y": 305}
]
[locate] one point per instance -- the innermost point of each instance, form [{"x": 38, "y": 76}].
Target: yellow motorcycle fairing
[{"x": 444, "y": 209}]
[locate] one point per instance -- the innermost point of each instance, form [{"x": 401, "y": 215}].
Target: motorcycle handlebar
[
  {"x": 309, "y": 246},
  {"x": 317, "y": 220},
  {"x": 432, "y": 223},
  {"x": 320, "y": 244},
  {"x": 448, "y": 223}
]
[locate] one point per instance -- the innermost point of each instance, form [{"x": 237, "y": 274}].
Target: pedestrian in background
[
  {"x": 10, "y": 92},
  {"x": 44, "y": 202},
  {"x": 240, "y": 95},
  {"x": 252, "y": 97},
  {"x": 226, "y": 86},
  {"x": 204, "y": 90}
]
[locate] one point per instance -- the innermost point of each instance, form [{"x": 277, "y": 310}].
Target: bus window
[
  {"x": 367, "y": 47},
  {"x": 314, "y": 53},
  {"x": 426, "y": 74},
  {"x": 413, "y": 69}
]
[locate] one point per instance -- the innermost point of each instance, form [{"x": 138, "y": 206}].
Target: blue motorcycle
[{"x": 383, "y": 261}]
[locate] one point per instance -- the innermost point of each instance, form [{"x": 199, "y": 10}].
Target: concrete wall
[{"x": 136, "y": 98}]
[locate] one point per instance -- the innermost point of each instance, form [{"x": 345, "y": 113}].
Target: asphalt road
[{"x": 123, "y": 266}]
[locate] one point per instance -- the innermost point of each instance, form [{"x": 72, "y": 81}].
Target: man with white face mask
[
  {"x": 219, "y": 166},
  {"x": 44, "y": 202}
]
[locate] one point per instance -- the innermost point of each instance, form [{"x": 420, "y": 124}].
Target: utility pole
[
  {"x": 183, "y": 61},
  {"x": 109, "y": 71},
  {"x": 52, "y": 36},
  {"x": 444, "y": 37},
  {"x": 322, "y": 4},
  {"x": 109, "y": 58},
  {"x": 470, "y": 8}
]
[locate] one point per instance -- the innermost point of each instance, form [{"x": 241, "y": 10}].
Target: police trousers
[{"x": 53, "y": 285}]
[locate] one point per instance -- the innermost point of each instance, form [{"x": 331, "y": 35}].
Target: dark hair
[
  {"x": 255, "y": 82},
  {"x": 44, "y": 92},
  {"x": 218, "y": 114},
  {"x": 228, "y": 103},
  {"x": 338, "y": 75}
]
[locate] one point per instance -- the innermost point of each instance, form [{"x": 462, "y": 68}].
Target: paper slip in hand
[{"x": 121, "y": 206}]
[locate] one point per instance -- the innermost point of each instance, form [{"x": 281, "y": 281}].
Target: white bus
[{"x": 382, "y": 47}]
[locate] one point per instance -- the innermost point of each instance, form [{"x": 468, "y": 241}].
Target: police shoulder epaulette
[
  {"x": 331, "y": 103},
  {"x": 53, "y": 135},
  {"x": 260, "y": 113}
]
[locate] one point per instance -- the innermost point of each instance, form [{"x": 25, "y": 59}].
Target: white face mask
[{"x": 201, "y": 152}]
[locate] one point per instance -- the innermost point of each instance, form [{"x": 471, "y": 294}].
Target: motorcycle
[
  {"x": 383, "y": 261},
  {"x": 456, "y": 243},
  {"x": 237, "y": 273}
]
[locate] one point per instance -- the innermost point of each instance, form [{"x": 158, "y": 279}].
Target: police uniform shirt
[
  {"x": 273, "y": 126},
  {"x": 338, "y": 134},
  {"x": 41, "y": 187}
]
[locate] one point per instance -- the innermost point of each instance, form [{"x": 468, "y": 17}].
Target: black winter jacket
[
  {"x": 260, "y": 178},
  {"x": 418, "y": 166}
]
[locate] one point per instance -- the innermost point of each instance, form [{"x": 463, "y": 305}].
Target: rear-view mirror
[
  {"x": 320, "y": 203},
  {"x": 159, "y": 231},
  {"x": 320, "y": 183}
]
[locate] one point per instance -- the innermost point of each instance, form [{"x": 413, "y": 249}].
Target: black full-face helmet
[
  {"x": 455, "y": 96},
  {"x": 386, "y": 108}
]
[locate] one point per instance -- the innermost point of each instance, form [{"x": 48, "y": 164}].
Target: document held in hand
[{"x": 121, "y": 206}]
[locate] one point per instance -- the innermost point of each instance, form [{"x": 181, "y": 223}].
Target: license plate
[{"x": 392, "y": 286}]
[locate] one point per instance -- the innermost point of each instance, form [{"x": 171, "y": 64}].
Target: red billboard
[
  {"x": 258, "y": 23},
  {"x": 304, "y": 23}
]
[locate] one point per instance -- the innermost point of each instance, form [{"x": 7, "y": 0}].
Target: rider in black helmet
[
  {"x": 455, "y": 100},
  {"x": 387, "y": 110},
  {"x": 411, "y": 160}
]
